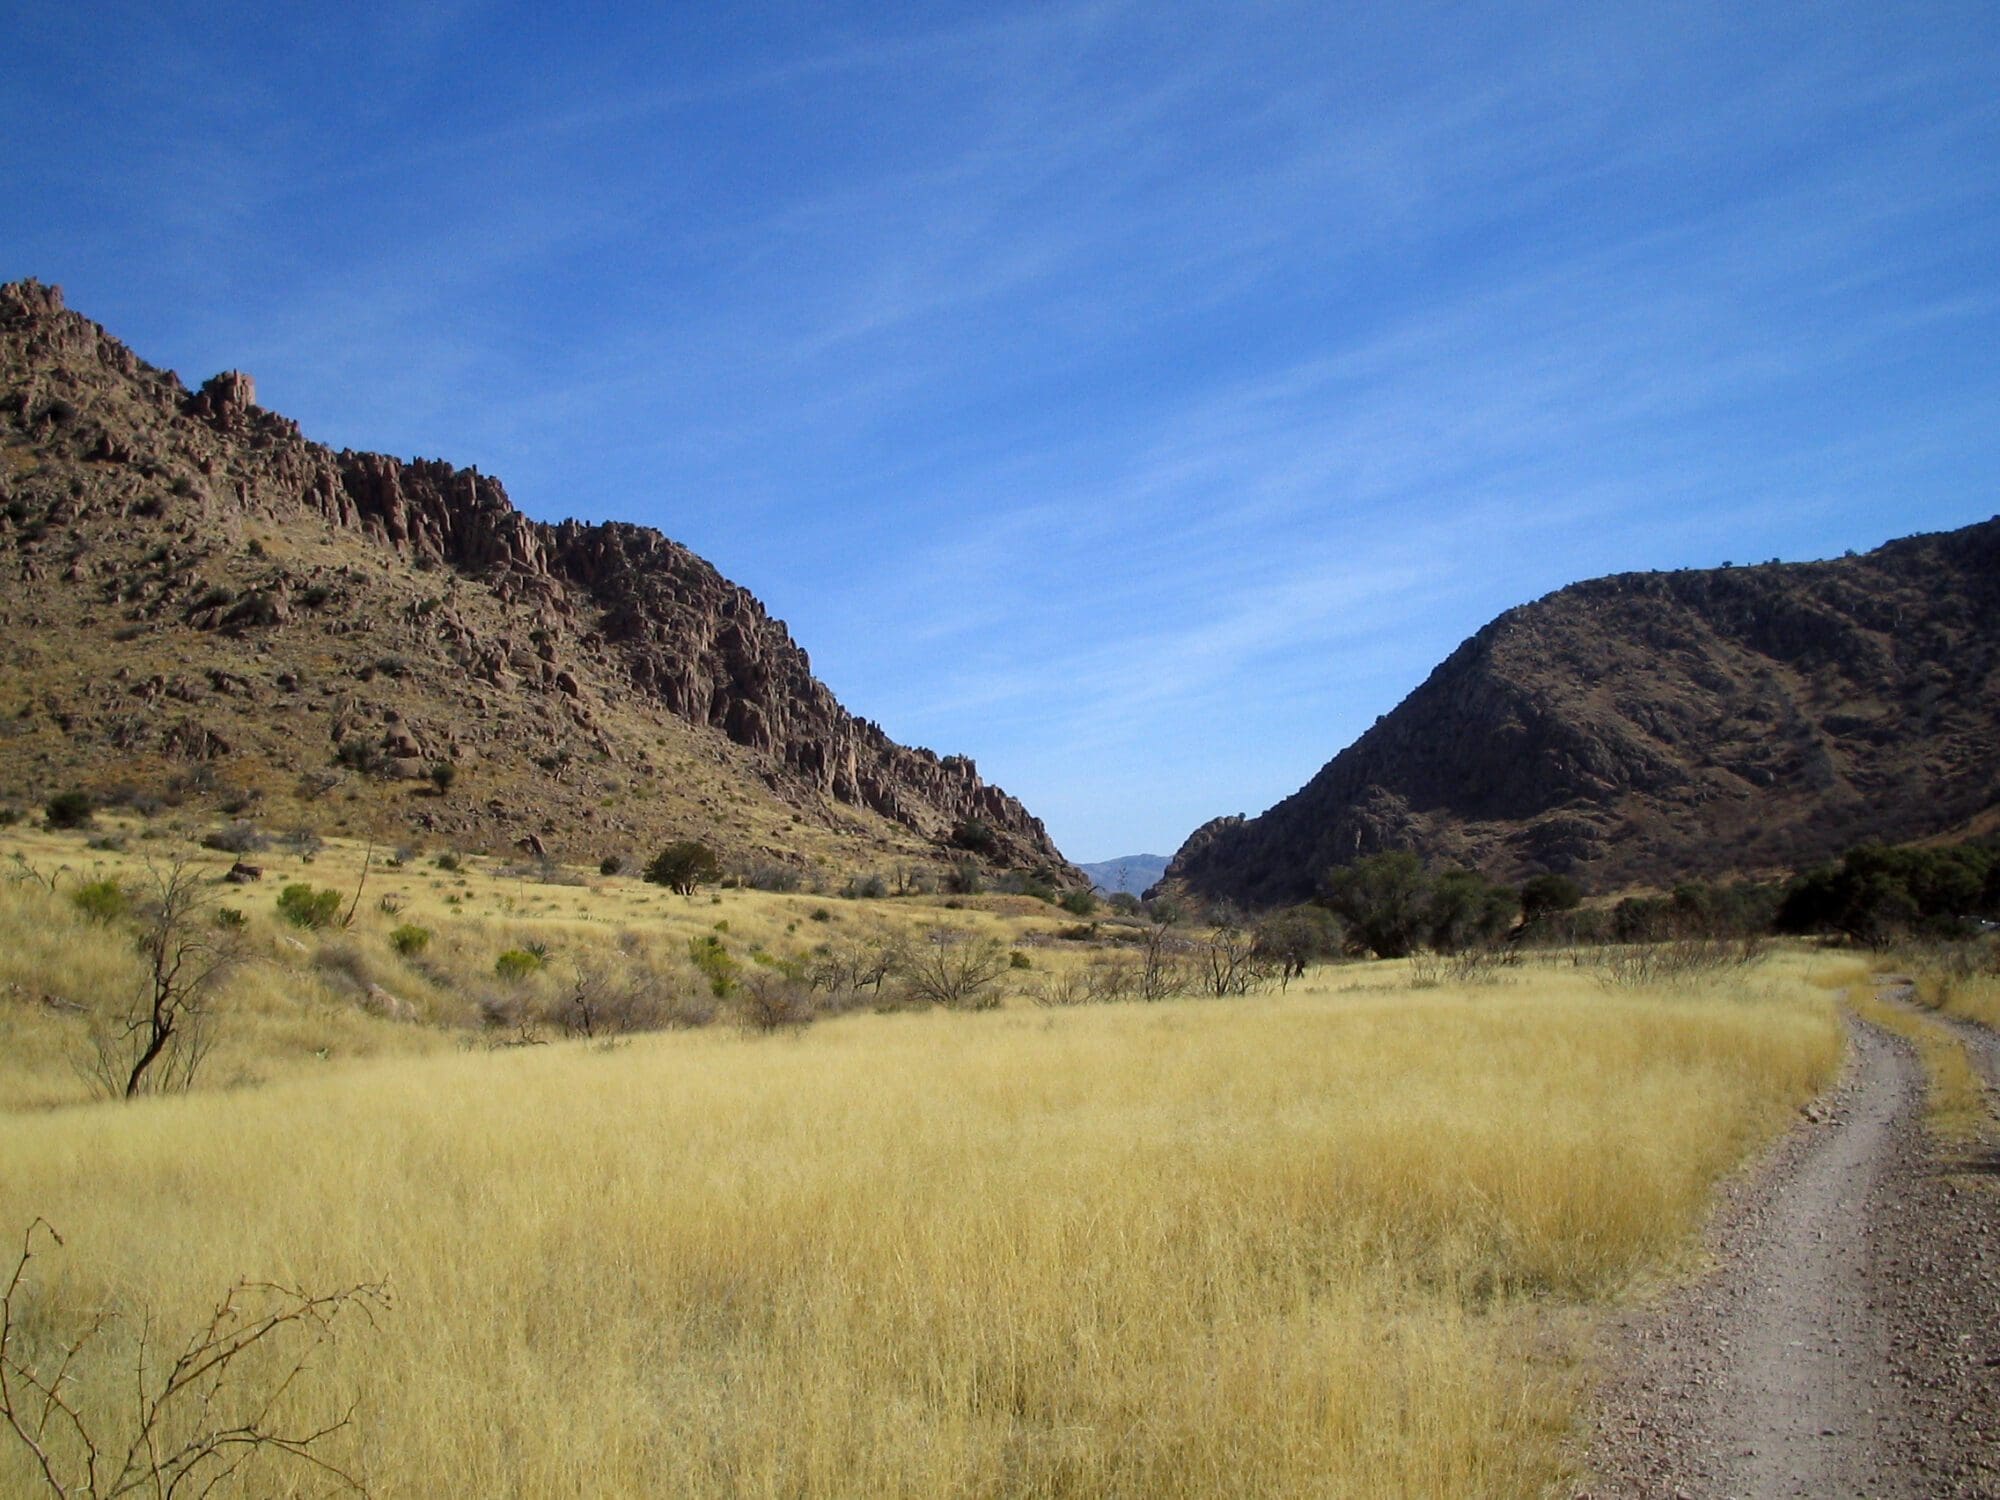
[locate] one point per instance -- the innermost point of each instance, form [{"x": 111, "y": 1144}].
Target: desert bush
[
  {"x": 714, "y": 963},
  {"x": 302, "y": 906},
  {"x": 1291, "y": 941},
  {"x": 100, "y": 900},
  {"x": 410, "y": 939},
  {"x": 611, "y": 864},
  {"x": 1079, "y": 903},
  {"x": 516, "y": 964},
  {"x": 976, "y": 837},
  {"x": 869, "y": 887},
  {"x": 236, "y": 838},
  {"x": 1671, "y": 960},
  {"x": 1226, "y": 961},
  {"x": 771, "y": 1001},
  {"x": 773, "y": 877},
  {"x": 71, "y": 809},
  {"x": 949, "y": 967},
  {"x": 1100, "y": 982},
  {"x": 447, "y": 862},
  {"x": 303, "y": 842},
  {"x": 841, "y": 970}
]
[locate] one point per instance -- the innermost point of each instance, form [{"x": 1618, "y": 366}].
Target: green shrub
[
  {"x": 1019, "y": 960},
  {"x": 611, "y": 864},
  {"x": 302, "y": 906},
  {"x": 1079, "y": 903},
  {"x": 71, "y": 809},
  {"x": 716, "y": 966},
  {"x": 100, "y": 900},
  {"x": 410, "y": 939},
  {"x": 516, "y": 964},
  {"x": 447, "y": 861}
]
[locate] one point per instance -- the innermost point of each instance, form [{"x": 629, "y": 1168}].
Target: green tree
[
  {"x": 1543, "y": 895},
  {"x": 684, "y": 867},
  {"x": 1466, "y": 910},
  {"x": 1385, "y": 901}
]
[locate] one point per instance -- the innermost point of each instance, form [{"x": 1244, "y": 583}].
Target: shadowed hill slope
[
  {"x": 198, "y": 599},
  {"x": 1647, "y": 727}
]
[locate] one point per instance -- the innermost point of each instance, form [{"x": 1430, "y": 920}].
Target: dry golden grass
[
  {"x": 1333, "y": 1242},
  {"x": 1955, "y": 1096}
]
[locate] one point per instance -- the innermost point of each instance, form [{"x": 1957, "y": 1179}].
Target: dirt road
[{"x": 1848, "y": 1341}]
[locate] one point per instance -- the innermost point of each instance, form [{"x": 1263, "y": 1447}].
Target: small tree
[
  {"x": 157, "y": 1040},
  {"x": 684, "y": 867},
  {"x": 443, "y": 774}
]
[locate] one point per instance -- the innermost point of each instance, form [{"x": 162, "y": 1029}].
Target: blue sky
[{"x": 1140, "y": 398}]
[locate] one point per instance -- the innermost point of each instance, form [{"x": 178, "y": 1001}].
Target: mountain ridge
[
  {"x": 1647, "y": 727},
  {"x": 264, "y": 539}
]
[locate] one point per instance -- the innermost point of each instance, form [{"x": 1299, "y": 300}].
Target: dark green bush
[
  {"x": 410, "y": 939},
  {"x": 71, "y": 809}
]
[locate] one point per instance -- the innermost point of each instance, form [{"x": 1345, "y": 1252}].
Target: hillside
[
  {"x": 200, "y": 605},
  {"x": 1647, "y": 727}
]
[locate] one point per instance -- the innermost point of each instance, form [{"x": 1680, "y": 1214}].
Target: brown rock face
[
  {"x": 140, "y": 518},
  {"x": 1655, "y": 726}
]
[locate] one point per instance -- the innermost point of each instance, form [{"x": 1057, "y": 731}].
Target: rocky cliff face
[
  {"x": 147, "y": 522},
  {"x": 1652, "y": 726}
]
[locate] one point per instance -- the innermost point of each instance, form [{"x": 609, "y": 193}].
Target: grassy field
[{"x": 1348, "y": 1240}]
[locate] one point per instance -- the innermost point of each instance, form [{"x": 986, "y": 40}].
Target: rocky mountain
[
  {"x": 1648, "y": 727},
  {"x": 198, "y": 601}
]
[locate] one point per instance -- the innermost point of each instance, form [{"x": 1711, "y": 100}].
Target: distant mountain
[
  {"x": 199, "y": 604},
  {"x": 1133, "y": 873},
  {"x": 1653, "y": 726}
]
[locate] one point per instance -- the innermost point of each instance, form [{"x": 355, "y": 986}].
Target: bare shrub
[
  {"x": 1676, "y": 959},
  {"x": 1166, "y": 963},
  {"x": 767, "y": 1001},
  {"x": 947, "y": 966},
  {"x": 236, "y": 838},
  {"x": 841, "y": 971},
  {"x": 189, "y": 1422},
  {"x": 1227, "y": 962}
]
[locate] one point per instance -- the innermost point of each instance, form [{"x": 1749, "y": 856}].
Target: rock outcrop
[
  {"x": 1648, "y": 727},
  {"x": 131, "y": 508}
]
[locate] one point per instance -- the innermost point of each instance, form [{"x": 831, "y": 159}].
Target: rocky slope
[
  {"x": 1642, "y": 728},
  {"x": 196, "y": 599}
]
